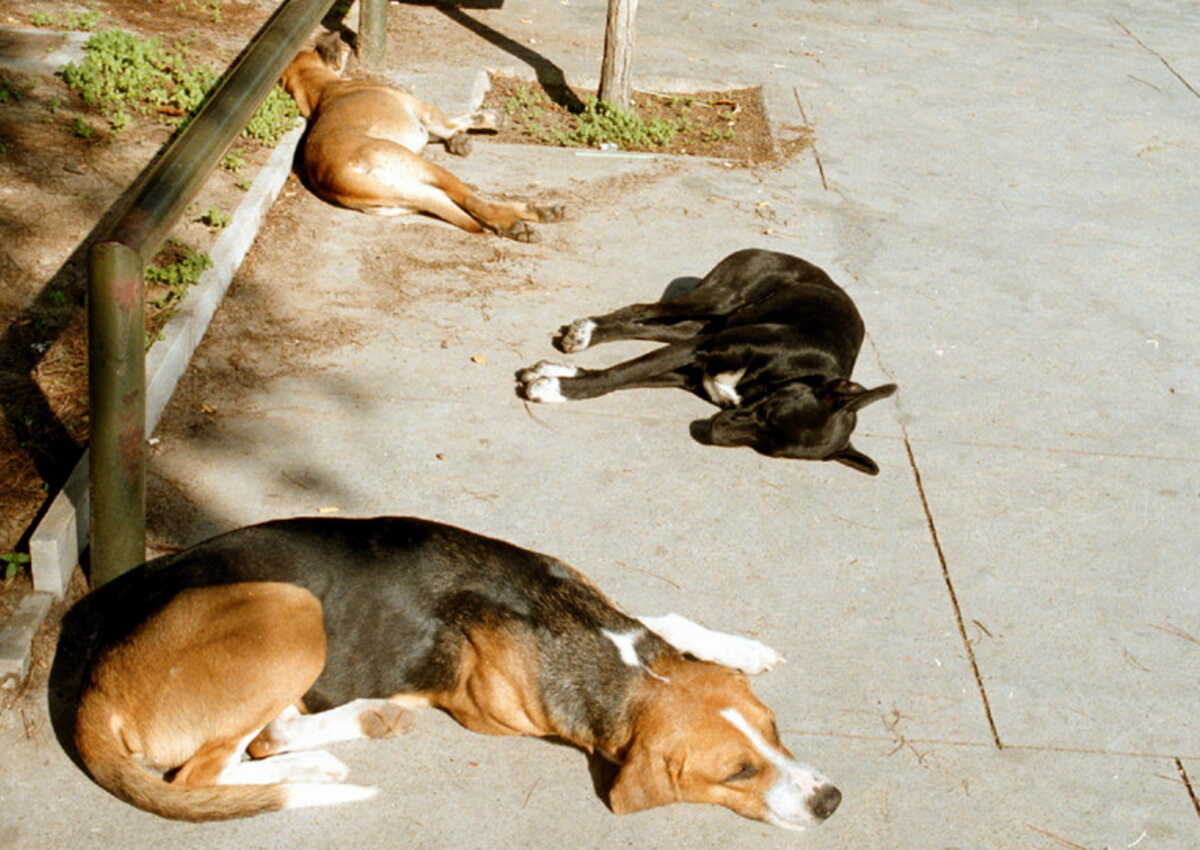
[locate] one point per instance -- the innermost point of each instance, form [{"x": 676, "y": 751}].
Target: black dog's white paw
[
  {"x": 540, "y": 382},
  {"x": 576, "y": 336}
]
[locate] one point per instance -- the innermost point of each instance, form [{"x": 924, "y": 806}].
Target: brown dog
[
  {"x": 200, "y": 657},
  {"x": 363, "y": 144}
]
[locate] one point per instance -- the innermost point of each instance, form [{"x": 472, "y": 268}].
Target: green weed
[
  {"x": 599, "y": 123},
  {"x": 215, "y": 218},
  {"x": 276, "y": 116},
  {"x": 233, "y": 162},
  {"x": 83, "y": 129},
  {"x": 9, "y": 92},
  {"x": 122, "y": 73},
  {"x": 177, "y": 267},
  {"x": 81, "y": 21},
  {"x": 12, "y": 563}
]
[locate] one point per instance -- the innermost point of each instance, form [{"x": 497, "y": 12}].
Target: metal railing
[{"x": 116, "y": 289}]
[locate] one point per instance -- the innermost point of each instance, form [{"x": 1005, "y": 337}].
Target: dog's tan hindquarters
[
  {"x": 363, "y": 145},
  {"x": 188, "y": 690}
]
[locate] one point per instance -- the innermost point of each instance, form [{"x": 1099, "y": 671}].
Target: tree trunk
[{"x": 615, "y": 83}]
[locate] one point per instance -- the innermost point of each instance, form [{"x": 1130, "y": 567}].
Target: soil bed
[{"x": 729, "y": 125}]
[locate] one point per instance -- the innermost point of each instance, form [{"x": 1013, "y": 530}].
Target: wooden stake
[{"x": 615, "y": 82}]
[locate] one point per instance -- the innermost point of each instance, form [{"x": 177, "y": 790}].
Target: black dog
[{"x": 767, "y": 336}]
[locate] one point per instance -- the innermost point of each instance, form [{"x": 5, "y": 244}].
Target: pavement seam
[
  {"x": 812, "y": 144},
  {"x": 1187, "y": 783},
  {"x": 1159, "y": 56},
  {"x": 1008, "y": 746},
  {"x": 958, "y": 617}
]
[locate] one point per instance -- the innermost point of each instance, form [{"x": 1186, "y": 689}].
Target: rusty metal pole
[
  {"x": 372, "y": 33},
  {"x": 616, "y": 84},
  {"x": 117, "y": 395}
]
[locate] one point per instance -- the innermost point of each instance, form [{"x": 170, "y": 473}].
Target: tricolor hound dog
[
  {"x": 766, "y": 336},
  {"x": 363, "y": 144},
  {"x": 204, "y": 656}
]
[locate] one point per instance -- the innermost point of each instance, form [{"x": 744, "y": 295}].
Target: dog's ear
[
  {"x": 642, "y": 783},
  {"x": 855, "y": 459},
  {"x": 334, "y": 52},
  {"x": 852, "y": 396}
]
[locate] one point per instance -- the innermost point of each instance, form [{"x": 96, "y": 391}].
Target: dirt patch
[{"x": 730, "y": 125}]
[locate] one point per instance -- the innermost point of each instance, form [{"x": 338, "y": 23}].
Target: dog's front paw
[
  {"x": 748, "y": 655},
  {"x": 540, "y": 382},
  {"x": 386, "y": 721},
  {"x": 543, "y": 391},
  {"x": 547, "y": 369},
  {"x": 576, "y": 336},
  {"x": 459, "y": 144}
]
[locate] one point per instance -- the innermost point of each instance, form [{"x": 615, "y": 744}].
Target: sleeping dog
[
  {"x": 200, "y": 657},
  {"x": 363, "y": 144},
  {"x": 766, "y": 336}
]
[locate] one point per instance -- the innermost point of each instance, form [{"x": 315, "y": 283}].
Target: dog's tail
[{"x": 114, "y": 768}]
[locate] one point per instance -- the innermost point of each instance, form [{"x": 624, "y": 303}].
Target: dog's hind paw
[
  {"x": 487, "y": 119},
  {"x": 521, "y": 231},
  {"x": 576, "y": 336},
  {"x": 314, "y": 766},
  {"x": 549, "y": 212},
  {"x": 459, "y": 144}
]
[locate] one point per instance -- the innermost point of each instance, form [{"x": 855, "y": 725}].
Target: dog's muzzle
[{"x": 727, "y": 428}]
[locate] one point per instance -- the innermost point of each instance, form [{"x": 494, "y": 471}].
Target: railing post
[
  {"x": 372, "y": 33},
  {"x": 117, "y": 396},
  {"x": 116, "y": 332}
]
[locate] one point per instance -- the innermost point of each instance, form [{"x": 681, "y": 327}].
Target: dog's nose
[{"x": 825, "y": 801}]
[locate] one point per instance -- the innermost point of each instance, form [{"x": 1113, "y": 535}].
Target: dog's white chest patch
[{"x": 722, "y": 387}]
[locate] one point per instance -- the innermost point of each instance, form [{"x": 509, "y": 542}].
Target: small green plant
[
  {"x": 122, "y": 73},
  {"x": 599, "y": 123},
  {"x": 9, "y": 92},
  {"x": 178, "y": 265},
  {"x": 233, "y": 162},
  {"x": 244, "y": 183},
  {"x": 13, "y": 563},
  {"x": 82, "y": 21},
  {"x": 602, "y": 122},
  {"x": 276, "y": 116},
  {"x": 215, "y": 218},
  {"x": 83, "y": 129}
]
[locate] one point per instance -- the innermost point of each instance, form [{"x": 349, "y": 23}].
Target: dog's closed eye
[{"x": 746, "y": 771}]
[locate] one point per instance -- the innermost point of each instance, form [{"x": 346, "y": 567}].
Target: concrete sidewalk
[{"x": 1011, "y": 199}]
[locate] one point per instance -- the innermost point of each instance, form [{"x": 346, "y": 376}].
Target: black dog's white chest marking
[{"x": 722, "y": 388}]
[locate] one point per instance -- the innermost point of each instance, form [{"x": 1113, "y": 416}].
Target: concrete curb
[
  {"x": 62, "y": 534},
  {"x": 16, "y": 637}
]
